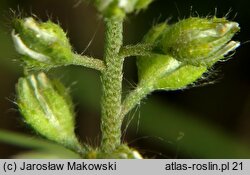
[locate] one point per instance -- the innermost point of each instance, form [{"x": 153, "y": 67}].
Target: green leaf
[{"x": 36, "y": 144}]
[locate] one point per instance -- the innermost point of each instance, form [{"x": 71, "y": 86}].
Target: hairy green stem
[
  {"x": 89, "y": 62},
  {"x": 136, "y": 50},
  {"x": 143, "y": 89},
  {"x": 134, "y": 98},
  {"x": 112, "y": 85}
]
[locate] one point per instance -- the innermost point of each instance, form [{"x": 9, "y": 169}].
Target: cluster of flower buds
[
  {"x": 181, "y": 54},
  {"x": 184, "y": 51},
  {"x": 120, "y": 7},
  {"x": 43, "y": 45}
]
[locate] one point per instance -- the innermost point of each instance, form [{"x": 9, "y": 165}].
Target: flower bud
[
  {"x": 184, "y": 51},
  {"x": 199, "y": 41},
  {"x": 47, "y": 108},
  {"x": 43, "y": 45},
  {"x": 159, "y": 71},
  {"x": 120, "y": 7}
]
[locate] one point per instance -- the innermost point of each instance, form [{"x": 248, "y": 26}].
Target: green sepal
[
  {"x": 199, "y": 41},
  {"x": 47, "y": 108},
  {"x": 181, "y": 78},
  {"x": 184, "y": 51},
  {"x": 42, "y": 44},
  {"x": 164, "y": 72}
]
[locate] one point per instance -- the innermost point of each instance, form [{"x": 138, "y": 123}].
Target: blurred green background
[{"x": 211, "y": 120}]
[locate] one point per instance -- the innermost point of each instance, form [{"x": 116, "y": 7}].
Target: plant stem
[
  {"x": 136, "y": 50},
  {"x": 146, "y": 87},
  {"x": 112, "y": 85},
  {"x": 89, "y": 62},
  {"x": 134, "y": 98}
]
